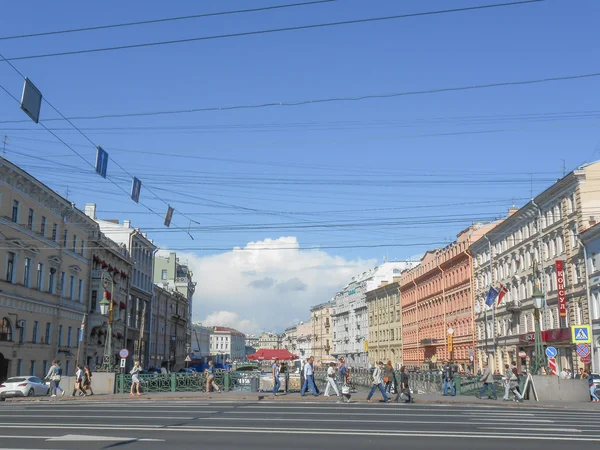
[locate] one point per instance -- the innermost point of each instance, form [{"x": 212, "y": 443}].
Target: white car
[{"x": 23, "y": 387}]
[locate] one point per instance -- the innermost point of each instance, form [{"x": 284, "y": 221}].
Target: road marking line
[
  {"x": 280, "y": 419},
  {"x": 562, "y": 430},
  {"x": 87, "y": 437}
]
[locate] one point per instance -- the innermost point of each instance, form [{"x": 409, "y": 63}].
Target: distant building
[
  {"x": 385, "y": 324},
  {"x": 289, "y": 339},
  {"x": 175, "y": 275},
  {"x": 200, "y": 341},
  {"x": 227, "y": 343},
  {"x": 305, "y": 340},
  {"x": 321, "y": 332},
  {"x": 350, "y": 317},
  {"x": 269, "y": 341}
]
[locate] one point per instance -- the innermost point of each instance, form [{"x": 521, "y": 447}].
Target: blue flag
[{"x": 491, "y": 297}]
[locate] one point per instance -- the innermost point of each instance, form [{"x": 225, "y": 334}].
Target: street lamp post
[
  {"x": 106, "y": 309},
  {"x": 538, "y": 360}
]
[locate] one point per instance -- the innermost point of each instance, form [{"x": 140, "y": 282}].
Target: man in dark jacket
[
  {"x": 488, "y": 382},
  {"x": 448, "y": 379}
]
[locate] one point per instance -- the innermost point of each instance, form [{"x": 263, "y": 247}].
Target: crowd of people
[
  {"x": 83, "y": 380},
  {"x": 337, "y": 380}
]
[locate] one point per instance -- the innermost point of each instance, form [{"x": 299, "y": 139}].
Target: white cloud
[
  {"x": 255, "y": 289},
  {"x": 230, "y": 319}
]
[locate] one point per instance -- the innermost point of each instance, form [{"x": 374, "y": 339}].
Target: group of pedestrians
[
  {"x": 384, "y": 378},
  {"x": 83, "y": 380}
]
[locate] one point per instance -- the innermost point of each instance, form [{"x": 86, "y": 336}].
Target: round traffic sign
[
  {"x": 586, "y": 359},
  {"x": 551, "y": 352},
  {"x": 124, "y": 353}
]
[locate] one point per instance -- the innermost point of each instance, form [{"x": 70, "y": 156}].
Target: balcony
[
  {"x": 428, "y": 342},
  {"x": 513, "y": 305}
]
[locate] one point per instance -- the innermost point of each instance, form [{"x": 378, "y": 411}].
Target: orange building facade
[{"x": 437, "y": 298}]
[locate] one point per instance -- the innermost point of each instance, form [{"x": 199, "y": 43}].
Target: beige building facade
[
  {"x": 385, "y": 324},
  {"x": 542, "y": 232},
  {"x": 320, "y": 317},
  {"x": 44, "y": 275}
]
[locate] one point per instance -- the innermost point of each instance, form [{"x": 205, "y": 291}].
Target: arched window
[{"x": 5, "y": 330}]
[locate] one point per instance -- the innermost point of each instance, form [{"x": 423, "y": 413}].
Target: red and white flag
[{"x": 503, "y": 291}]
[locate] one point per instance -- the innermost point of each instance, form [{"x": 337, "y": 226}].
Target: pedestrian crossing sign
[{"x": 581, "y": 334}]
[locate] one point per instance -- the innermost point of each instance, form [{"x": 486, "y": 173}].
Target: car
[{"x": 23, "y": 387}]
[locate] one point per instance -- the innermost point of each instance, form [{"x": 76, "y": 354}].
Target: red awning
[{"x": 271, "y": 354}]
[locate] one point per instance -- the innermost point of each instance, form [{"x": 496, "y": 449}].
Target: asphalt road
[{"x": 170, "y": 424}]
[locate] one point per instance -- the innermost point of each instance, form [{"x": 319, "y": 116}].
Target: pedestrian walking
[
  {"x": 77, "y": 387},
  {"x": 331, "y": 370},
  {"x": 404, "y": 391},
  {"x": 135, "y": 379},
  {"x": 309, "y": 378},
  {"x": 276, "y": 383},
  {"x": 378, "y": 383},
  {"x": 388, "y": 379},
  {"x": 513, "y": 384},
  {"x": 210, "y": 378},
  {"x": 507, "y": 376},
  {"x": 488, "y": 382},
  {"x": 54, "y": 375},
  {"x": 87, "y": 385},
  {"x": 342, "y": 372},
  {"x": 592, "y": 386},
  {"x": 448, "y": 375}
]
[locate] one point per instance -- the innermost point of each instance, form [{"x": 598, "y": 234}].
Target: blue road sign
[
  {"x": 136, "y": 186},
  {"x": 551, "y": 352},
  {"x": 101, "y": 162}
]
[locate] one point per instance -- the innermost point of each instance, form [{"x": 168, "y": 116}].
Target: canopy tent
[{"x": 270, "y": 354}]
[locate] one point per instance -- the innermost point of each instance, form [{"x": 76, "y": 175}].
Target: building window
[
  {"x": 82, "y": 247},
  {"x": 94, "y": 301},
  {"x": 75, "y": 243},
  {"x": 72, "y": 287},
  {"x": 5, "y": 330},
  {"x": 163, "y": 274},
  {"x": 40, "y": 277},
  {"x": 52, "y": 280},
  {"x": 15, "y": 212},
  {"x": 43, "y": 227},
  {"x": 68, "y": 367},
  {"x": 54, "y": 232},
  {"x": 34, "y": 337},
  {"x": 26, "y": 272},
  {"x": 10, "y": 267},
  {"x": 65, "y": 239},
  {"x": 69, "y": 336},
  {"x": 45, "y": 367},
  {"x": 48, "y": 329},
  {"x": 22, "y": 333},
  {"x": 60, "y": 335},
  {"x": 62, "y": 283},
  {"x": 80, "y": 293},
  {"x": 32, "y": 369},
  {"x": 30, "y": 219}
]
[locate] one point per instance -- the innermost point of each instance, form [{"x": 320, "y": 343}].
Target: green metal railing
[{"x": 183, "y": 382}]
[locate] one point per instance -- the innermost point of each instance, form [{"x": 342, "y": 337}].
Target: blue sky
[{"x": 443, "y": 160}]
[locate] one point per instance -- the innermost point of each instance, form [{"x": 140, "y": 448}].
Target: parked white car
[{"x": 23, "y": 387}]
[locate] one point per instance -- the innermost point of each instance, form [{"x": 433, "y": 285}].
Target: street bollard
[
  {"x": 227, "y": 381},
  {"x": 457, "y": 383},
  {"x": 173, "y": 383}
]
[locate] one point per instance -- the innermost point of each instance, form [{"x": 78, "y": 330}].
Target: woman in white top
[
  {"x": 135, "y": 379},
  {"x": 331, "y": 380}
]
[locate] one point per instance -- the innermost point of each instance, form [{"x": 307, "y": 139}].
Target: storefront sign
[
  {"x": 562, "y": 297},
  {"x": 555, "y": 335}
]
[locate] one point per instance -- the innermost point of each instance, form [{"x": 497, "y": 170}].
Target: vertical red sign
[{"x": 562, "y": 297}]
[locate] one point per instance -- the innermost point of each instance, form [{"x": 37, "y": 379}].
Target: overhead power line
[
  {"x": 165, "y": 19},
  {"x": 331, "y": 99},
  {"x": 272, "y": 30}
]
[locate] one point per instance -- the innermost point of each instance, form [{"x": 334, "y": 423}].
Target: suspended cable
[{"x": 271, "y": 31}]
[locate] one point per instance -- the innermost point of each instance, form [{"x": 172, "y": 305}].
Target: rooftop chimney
[
  {"x": 513, "y": 209},
  {"x": 127, "y": 223},
  {"x": 90, "y": 210}
]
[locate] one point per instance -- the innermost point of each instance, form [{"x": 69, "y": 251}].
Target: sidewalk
[{"x": 359, "y": 397}]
